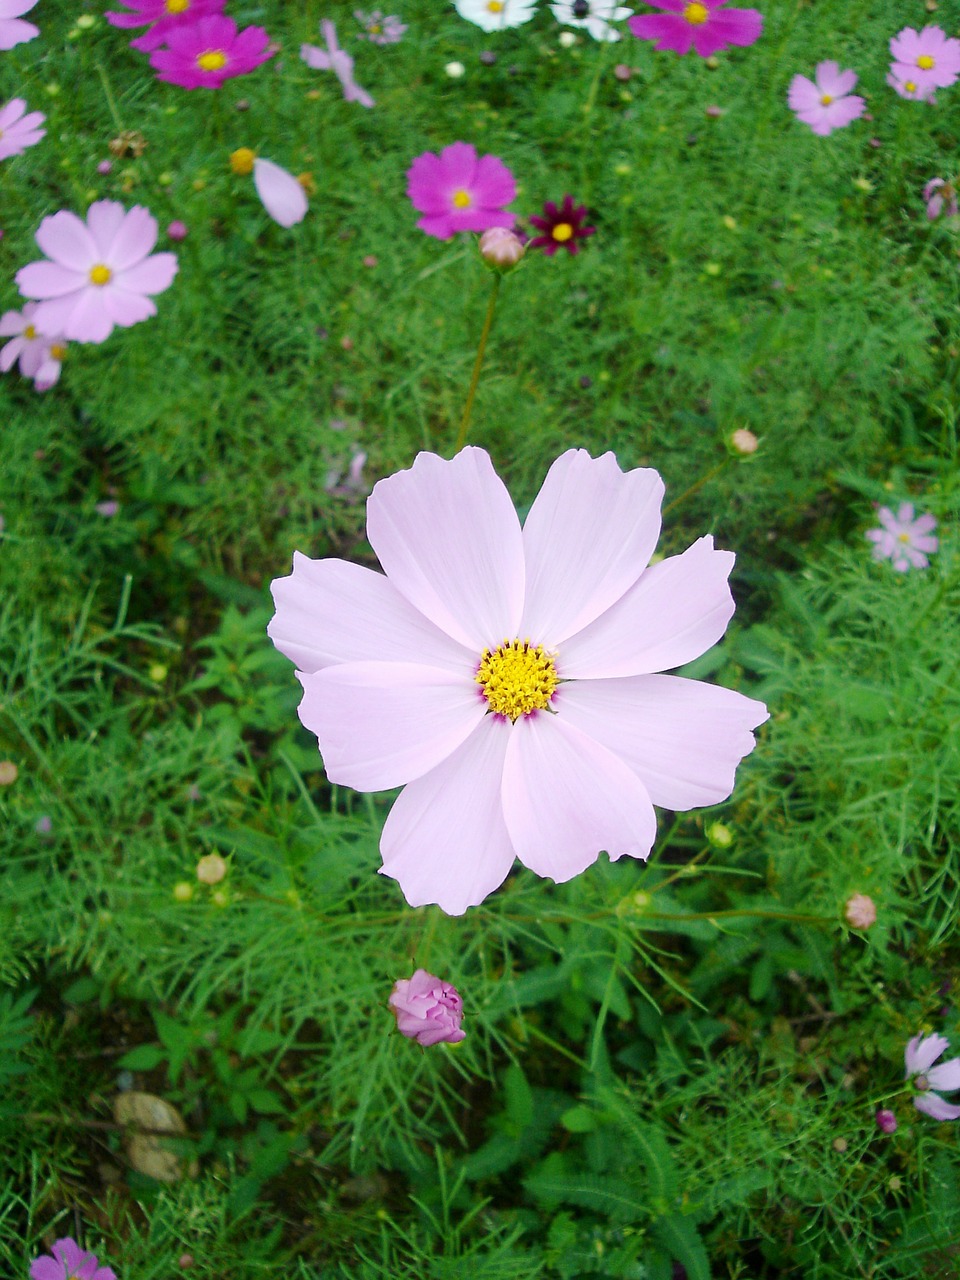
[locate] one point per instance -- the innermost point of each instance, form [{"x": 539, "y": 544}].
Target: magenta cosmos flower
[
  {"x": 706, "y": 28},
  {"x": 162, "y": 17},
  {"x": 69, "y": 1262},
  {"x": 903, "y": 539},
  {"x": 205, "y": 53},
  {"x": 458, "y": 190},
  {"x": 101, "y": 271},
  {"x": 827, "y": 103},
  {"x": 930, "y": 59},
  {"x": 13, "y": 30},
  {"x": 561, "y": 228},
  {"x": 919, "y": 1056},
  {"x": 40, "y": 355},
  {"x": 941, "y": 198},
  {"x": 504, "y": 676},
  {"x": 427, "y": 1010},
  {"x": 18, "y": 130}
]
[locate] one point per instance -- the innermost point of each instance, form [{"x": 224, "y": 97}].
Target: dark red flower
[{"x": 561, "y": 228}]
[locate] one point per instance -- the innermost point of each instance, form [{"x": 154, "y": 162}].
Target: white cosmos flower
[
  {"x": 494, "y": 15},
  {"x": 595, "y": 15}
]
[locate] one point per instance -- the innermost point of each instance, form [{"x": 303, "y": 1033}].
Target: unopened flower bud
[
  {"x": 622, "y": 71},
  {"x": 743, "y": 442},
  {"x": 886, "y": 1121},
  {"x": 211, "y": 869},
  {"x": 177, "y": 230},
  {"x": 501, "y": 248},
  {"x": 713, "y": 112},
  {"x": 454, "y": 70},
  {"x": 720, "y": 835},
  {"x": 182, "y": 891},
  {"x": 241, "y": 161},
  {"x": 567, "y": 39},
  {"x": 427, "y": 1010},
  {"x": 8, "y": 773},
  {"x": 860, "y": 912}
]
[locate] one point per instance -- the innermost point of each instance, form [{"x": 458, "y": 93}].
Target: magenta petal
[
  {"x": 677, "y": 610},
  {"x": 48, "y": 280},
  {"x": 64, "y": 238},
  {"x": 282, "y": 195},
  {"x": 461, "y": 795},
  {"x": 459, "y": 162},
  {"x": 590, "y": 534},
  {"x": 46, "y": 1268},
  {"x": 673, "y": 34},
  {"x": 382, "y": 724},
  {"x": 495, "y": 184},
  {"x": 729, "y": 27},
  {"x": 424, "y": 185},
  {"x": 331, "y": 611},
  {"x": 448, "y": 538},
  {"x": 566, "y": 798},
  {"x": 683, "y": 738}
]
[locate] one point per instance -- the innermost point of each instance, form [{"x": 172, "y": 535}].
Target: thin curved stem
[{"x": 478, "y": 365}]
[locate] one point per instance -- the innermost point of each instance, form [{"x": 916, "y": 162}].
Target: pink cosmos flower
[
  {"x": 458, "y": 190},
  {"x": 827, "y": 104},
  {"x": 205, "y": 53},
  {"x": 427, "y": 1010},
  {"x": 19, "y": 131},
  {"x": 69, "y": 1260},
  {"x": 907, "y": 85},
  {"x": 505, "y": 676},
  {"x": 282, "y": 195},
  {"x": 929, "y": 58},
  {"x": 700, "y": 26},
  {"x": 334, "y": 59},
  {"x": 162, "y": 16},
  {"x": 379, "y": 29},
  {"x": 40, "y": 356},
  {"x": 13, "y": 30},
  {"x": 941, "y": 197},
  {"x": 903, "y": 539},
  {"x": 101, "y": 271},
  {"x": 920, "y": 1054}
]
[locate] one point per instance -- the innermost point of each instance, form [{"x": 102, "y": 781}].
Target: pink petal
[
  {"x": 14, "y": 32},
  {"x": 672, "y": 33},
  {"x": 803, "y": 94},
  {"x": 677, "y": 610},
  {"x": 440, "y": 225},
  {"x": 425, "y": 188},
  {"x": 922, "y": 524},
  {"x": 459, "y": 162},
  {"x": 729, "y": 27},
  {"x": 566, "y": 797},
  {"x": 11, "y": 112},
  {"x": 12, "y": 322},
  {"x": 65, "y": 238},
  {"x": 449, "y": 540},
  {"x": 9, "y": 353},
  {"x": 132, "y": 239},
  {"x": 946, "y": 1075},
  {"x": 935, "y": 1106},
  {"x": 316, "y": 57},
  {"x": 683, "y": 738},
  {"x": 833, "y": 81},
  {"x": 124, "y": 308},
  {"x": 152, "y": 275},
  {"x": 331, "y": 611},
  {"x": 922, "y": 1052},
  {"x": 494, "y": 184},
  {"x": 282, "y": 195},
  {"x": 46, "y": 1268},
  {"x": 49, "y": 280},
  {"x": 844, "y": 111},
  {"x": 104, "y": 219},
  {"x": 382, "y": 724},
  {"x": 589, "y": 535},
  {"x": 80, "y": 317},
  {"x": 461, "y": 795}
]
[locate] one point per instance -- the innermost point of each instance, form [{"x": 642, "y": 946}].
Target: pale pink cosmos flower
[
  {"x": 205, "y": 53},
  {"x": 18, "y": 130},
  {"x": 427, "y": 1009},
  {"x": 930, "y": 57},
  {"x": 941, "y": 198},
  {"x": 827, "y": 103},
  {"x": 505, "y": 676},
  {"x": 13, "y": 30},
  {"x": 458, "y": 190},
  {"x": 907, "y": 85},
  {"x": 919, "y": 1056},
  {"x": 705, "y": 27},
  {"x": 162, "y": 17},
  {"x": 69, "y": 1261},
  {"x": 379, "y": 29},
  {"x": 282, "y": 195},
  {"x": 902, "y": 539},
  {"x": 334, "y": 59},
  {"x": 40, "y": 355},
  {"x": 101, "y": 271}
]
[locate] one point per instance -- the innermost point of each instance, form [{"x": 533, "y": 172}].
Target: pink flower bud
[
  {"x": 886, "y": 1121},
  {"x": 177, "y": 230},
  {"x": 104, "y": 167},
  {"x": 860, "y": 912},
  {"x": 427, "y": 1010},
  {"x": 743, "y": 441},
  {"x": 501, "y": 248},
  {"x": 211, "y": 869}
]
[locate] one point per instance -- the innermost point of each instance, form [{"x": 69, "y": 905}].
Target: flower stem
[
  {"x": 478, "y": 364},
  {"x": 697, "y": 484}
]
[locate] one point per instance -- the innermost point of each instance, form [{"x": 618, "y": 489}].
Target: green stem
[
  {"x": 478, "y": 365},
  {"x": 697, "y": 484},
  {"x": 108, "y": 94}
]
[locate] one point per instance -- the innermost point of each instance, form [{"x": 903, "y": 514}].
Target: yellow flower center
[
  {"x": 562, "y": 231},
  {"x": 826, "y": 100},
  {"x": 910, "y": 86},
  {"x": 462, "y": 199},
  {"x": 29, "y": 333},
  {"x": 696, "y": 14},
  {"x": 375, "y": 28},
  {"x": 212, "y": 60},
  {"x": 517, "y": 678},
  {"x": 925, "y": 62},
  {"x": 58, "y": 351},
  {"x": 100, "y": 274},
  {"x": 241, "y": 161},
  {"x": 177, "y": 6},
  {"x": 495, "y": 6},
  {"x": 903, "y": 537}
]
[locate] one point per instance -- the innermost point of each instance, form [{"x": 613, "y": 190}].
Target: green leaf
[
  {"x": 579, "y": 1120},
  {"x": 144, "y": 1058},
  {"x": 679, "y": 1236},
  {"x": 518, "y": 1098}
]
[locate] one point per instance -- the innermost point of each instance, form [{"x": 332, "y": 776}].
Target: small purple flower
[
  {"x": 427, "y": 1010},
  {"x": 941, "y": 198},
  {"x": 104, "y": 167},
  {"x": 107, "y": 509},
  {"x": 886, "y": 1121},
  {"x": 902, "y": 539},
  {"x": 334, "y": 59},
  {"x": 379, "y": 29},
  {"x": 69, "y": 1262},
  {"x": 919, "y": 1056}
]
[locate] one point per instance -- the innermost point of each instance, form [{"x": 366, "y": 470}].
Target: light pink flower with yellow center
[
  {"x": 39, "y": 355},
  {"x": 902, "y": 539},
  {"x": 19, "y": 128},
  {"x": 919, "y": 1056},
  {"x": 929, "y": 57},
  {"x": 101, "y": 271},
  {"x": 506, "y": 676},
  {"x": 827, "y": 102}
]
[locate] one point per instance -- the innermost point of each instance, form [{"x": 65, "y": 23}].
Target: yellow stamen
[
  {"x": 696, "y": 14},
  {"x": 826, "y": 100},
  {"x": 495, "y": 6},
  {"x": 29, "y": 333},
  {"x": 903, "y": 537},
  {"x": 925, "y": 62},
  {"x": 100, "y": 274},
  {"x": 57, "y": 351},
  {"x": 375, "y": 29},
  {"x": 212, "y": 60},
  {"x": 517, "y": 678},
  {"x": 562, "y": 231},
  {"x": 462, "y": 199},
  {"x": 177, "y": 6},
  {"x": 241, "y": 161}
]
